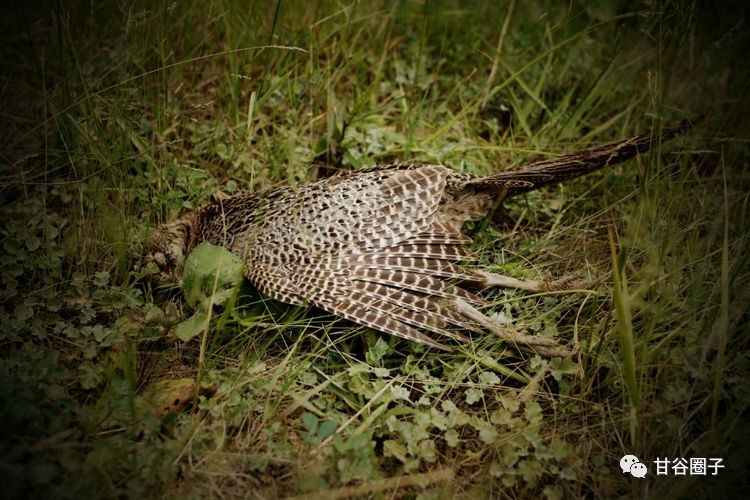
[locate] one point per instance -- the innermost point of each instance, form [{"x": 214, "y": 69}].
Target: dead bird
[{"x": 382, "y": 246}]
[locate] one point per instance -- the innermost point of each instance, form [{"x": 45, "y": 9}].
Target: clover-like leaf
[
  {"x": 396, "y": 449},
  {"x": 451, "y": 438},
  {"x": 489, "y": 378},
  {"x": 561, "y": 367},
  {"x": 326, "y": 428},
  {"x": 426, "y": 450},
  {"x": 487, "y": 432},
  {"x": 533, "y": 412},
  {"x": 310, "y": 422},
  {"x": 400, "y": 392},
  {"x": 473, "y": 395}
]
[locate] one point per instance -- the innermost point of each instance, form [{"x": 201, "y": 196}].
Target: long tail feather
[
  {"x": 550, "y": 171},
  {"x": 416, "y": 282},
  {"x": 368, "y": 316},
  {"x": 428, "y": 251},
  {"x": 444, "y": 311},
  {"x": 434, "y": 267}
]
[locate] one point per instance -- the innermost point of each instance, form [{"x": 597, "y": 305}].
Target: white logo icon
[
  {"x": 638, "y": 470},
  {"x": 630, "y": 463}
]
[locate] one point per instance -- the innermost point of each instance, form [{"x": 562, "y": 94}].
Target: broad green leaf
[
  {"x": 326, "y": 428},
  {"x": 192, "y": 326},
  {"x": 310, "y": 422},
  {"x": 210, "y": 266}
]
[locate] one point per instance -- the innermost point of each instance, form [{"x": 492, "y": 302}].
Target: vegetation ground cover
[{"x": 118, "y": 116}]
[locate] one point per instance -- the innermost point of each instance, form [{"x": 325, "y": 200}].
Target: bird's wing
[{"x": 399, "y": 270}]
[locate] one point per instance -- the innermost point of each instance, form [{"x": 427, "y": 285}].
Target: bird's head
[{"x": 168, "y": 246}]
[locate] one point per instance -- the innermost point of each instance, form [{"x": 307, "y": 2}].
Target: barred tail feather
[
  {"x": 433, "y": 267},
  {"x": 368, "y": 316},
  {"x": 428, "y": 251},
  {"x": 550, "y": 171},
  {"x": 426, "y": 304},
  {"x": 415, "y": 282}
]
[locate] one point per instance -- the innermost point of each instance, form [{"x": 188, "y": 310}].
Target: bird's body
[{"x": 382, "y": 247}]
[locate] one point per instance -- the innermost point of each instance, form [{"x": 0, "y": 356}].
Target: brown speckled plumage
[{"x": 382, "y": 246}]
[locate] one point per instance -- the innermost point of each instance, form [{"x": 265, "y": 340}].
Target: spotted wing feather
[
  {"x": 441, "y": 310},
  {"x": 453, "y": 253},
  {"x": 369, "y": 316},
  {"x": 398, "y": 269},
  {"x": 416, "y": 265},
  {"x": 421, "y": 283}
]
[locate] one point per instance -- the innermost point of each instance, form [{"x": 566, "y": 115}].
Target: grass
[{"x": 120, "y": 116}]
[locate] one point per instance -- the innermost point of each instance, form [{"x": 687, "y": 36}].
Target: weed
[{"x": 119, "y": 116}]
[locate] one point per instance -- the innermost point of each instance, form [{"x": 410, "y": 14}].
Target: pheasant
[{"x": 381, "y": 246}]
